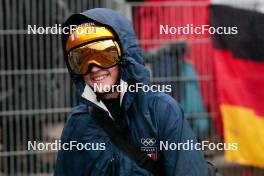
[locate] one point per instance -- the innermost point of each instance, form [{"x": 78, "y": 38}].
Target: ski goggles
[{"x": 103, "y": 53}]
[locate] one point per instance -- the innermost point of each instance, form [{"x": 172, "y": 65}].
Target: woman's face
[{"x": 98, "y": 78}]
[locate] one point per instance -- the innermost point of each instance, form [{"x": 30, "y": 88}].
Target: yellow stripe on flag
[{"x": 244, "y": 127}]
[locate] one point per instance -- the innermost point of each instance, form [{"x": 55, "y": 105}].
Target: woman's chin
[{"x": 102, "y": 88}]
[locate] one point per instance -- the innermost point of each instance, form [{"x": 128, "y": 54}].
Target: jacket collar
[{"x": 89, "y": 95}]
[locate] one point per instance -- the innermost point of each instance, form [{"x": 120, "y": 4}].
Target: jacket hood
[{"x": 132, "y": 70}]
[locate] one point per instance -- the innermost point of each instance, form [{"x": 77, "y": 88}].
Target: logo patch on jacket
[{"x": 149, "y": 147}]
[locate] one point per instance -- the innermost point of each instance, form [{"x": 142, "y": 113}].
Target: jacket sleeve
[
  {"x": 174, "y": 129},
  {"x": 109, "y": 161}
]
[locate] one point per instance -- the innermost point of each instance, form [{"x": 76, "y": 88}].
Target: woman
[{"x": 125, "y": 124}]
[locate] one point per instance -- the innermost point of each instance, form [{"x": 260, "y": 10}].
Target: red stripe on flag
[{"x": 239, "y": 81}]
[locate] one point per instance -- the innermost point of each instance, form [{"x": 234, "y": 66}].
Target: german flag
[{"x": 239, "y": 69}]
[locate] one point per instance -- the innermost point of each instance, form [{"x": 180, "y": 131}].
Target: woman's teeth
[{"x": 99, "y": 78}]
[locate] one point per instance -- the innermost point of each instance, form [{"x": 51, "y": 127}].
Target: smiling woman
[{"x": 120, "y": 119}]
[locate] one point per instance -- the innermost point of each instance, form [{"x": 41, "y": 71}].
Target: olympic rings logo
[{"x": 148, "y": 141}]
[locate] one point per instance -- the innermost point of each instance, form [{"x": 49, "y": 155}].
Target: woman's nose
[{"x": 94, "y": 68}]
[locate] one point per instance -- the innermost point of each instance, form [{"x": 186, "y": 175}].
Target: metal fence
[{"x": 36, "y": 94}]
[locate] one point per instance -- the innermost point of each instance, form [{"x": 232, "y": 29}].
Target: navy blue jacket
[{"x": 145, "y": 115}]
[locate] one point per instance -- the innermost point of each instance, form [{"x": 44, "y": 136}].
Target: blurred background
[{"x": 209, "y": 74}]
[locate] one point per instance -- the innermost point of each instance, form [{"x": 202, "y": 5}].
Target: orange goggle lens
[{"x": 105, "y": 54}]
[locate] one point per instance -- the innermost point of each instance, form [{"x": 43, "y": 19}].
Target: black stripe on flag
[{"x": 249, "y": 42}]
